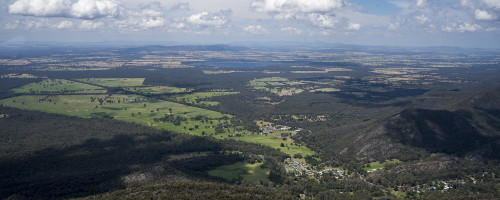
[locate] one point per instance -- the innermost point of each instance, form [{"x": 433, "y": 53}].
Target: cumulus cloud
[
  {"x": 420, "y": 3},
  {"x": 81, "y": 9},
  {"x": 210, "y": 19},
  {"x": 422, "y": 18},
  {"x": 462, "y": 27},
  {"x": 321, "y": 20},
  {"x": 483, "y": 15},
  {"x": 291, "y": 31},
  {"x": 149, "y": 16},
  {"x": 492, "y": 3},
  {"x": 319, "y": 13},
  {"x": 65, "y": 24},
  {"x": 181, "y": 6},
  {"x": 353, "y": 26},
  {"x": 305, "y": 6},
  {"x": 255, "y": 29},
  {"x": 89, "y": 25},
  {"x": 483, "y": 9}
]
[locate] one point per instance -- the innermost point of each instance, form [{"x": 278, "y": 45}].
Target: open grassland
[
  {"x": 18, "y": 75},
  {"x": 58, "y": 86},
  {"x": 114, "y": 82},
  {"x": 275, "y": 140},
  {"x": 156, "y": 90},
  {"x": 377, "y": 165},
  {"x": 325, "y": 90},
  {"x": 200, "y": 97},
  {"x": 277, "y": 85},
  {"x": 130, "y": 108},
  {"x": 246, "y": 172}
]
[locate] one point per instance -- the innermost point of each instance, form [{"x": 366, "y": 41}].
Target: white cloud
[
  {"x": 495, "y": 4},
  {"x": 255, "y": 29},
  {"x": 462, "y": 27},
  {"x": 354, "y": 26},
  {"x": 181, "y": 6},
  {"x": 483, "y": 15},
  {"x": 304, "y": 6},
  {"x": 291, "y": 31},
  {"x": 422, "y": 18},
  {"x": 81, "y": 9},
  {"x": 321, "y": 20},
  {"x": 90, "y": 25},
  {"x": 150, "y": 16},
  {"x": 421, "y": 3},
  {"x": 210, "y": 19},
  {"x": 64, "y": 24}
]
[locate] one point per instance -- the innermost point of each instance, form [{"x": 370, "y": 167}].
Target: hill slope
[{"x": 470, "y": 128}]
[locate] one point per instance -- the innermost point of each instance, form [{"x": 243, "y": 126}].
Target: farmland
[
  {"x": 148, "y": 90},
  {"x": 200, "y": 97},
  {"x": 58, "y": 86},
  {"x": 147, "y": 111},
  {"x": 130, "y": 108}
]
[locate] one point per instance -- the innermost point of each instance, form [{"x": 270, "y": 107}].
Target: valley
[{"x": 336, "y": 122}]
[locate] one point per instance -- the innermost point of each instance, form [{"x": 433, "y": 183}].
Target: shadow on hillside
[
  {"x": 93, "y": 167},
  {"x": 440, "y": 131}
]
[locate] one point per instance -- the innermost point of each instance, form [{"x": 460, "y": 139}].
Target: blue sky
[{"x": 466, "y": 23}]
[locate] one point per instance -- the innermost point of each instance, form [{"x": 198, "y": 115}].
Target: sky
[{"x": 462, "y": 23}]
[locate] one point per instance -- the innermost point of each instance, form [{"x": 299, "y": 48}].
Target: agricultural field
[
  {"x": 18, "y": 75},
  {"x": 198, "y": 98},
  {"x": 131, "y": 108},
  {"x": 114, "y": 82},
  {"x": 277, "y": 85},
  {"x": 246, "y": 172},
  {"x": 275, "y": 140},
  {"x": 325, "y": 90},
  {"x": 58, "y": 86},
  {"x": 147, "y": 90}
]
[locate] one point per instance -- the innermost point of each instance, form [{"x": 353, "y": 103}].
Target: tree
[{"x": 282, "y": 145}]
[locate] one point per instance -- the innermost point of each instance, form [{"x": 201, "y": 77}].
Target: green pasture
[
  {"x": 58, "y": 86},
  {"x": 114, "y": 82},
  {"x": 199, "y": 97},
  {"x": 276, "y": 85},
  {"x": 156, "y": 90},
  {"x": 273, "y": 140},
  {"x": 131, "y": 108},
  {"x": 246, "y": 172},
  {"x": 378, "y": 165}
]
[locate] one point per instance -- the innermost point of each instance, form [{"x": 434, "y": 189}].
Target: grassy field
[
  {"x": 114, "y": 82},
  {"x": 325, "y": 90},
  {"x": 156, "y": 90},
  {"x": 58, "y": 86},
  {"x": 199, "y": 97},
  {"x": 274, "y": 140},
  {"x": 277, "y": 85},
  {"x": 18, "y": 76},
  {"x": 130, "y": 108},
  {"x": 247, "y": 172}
]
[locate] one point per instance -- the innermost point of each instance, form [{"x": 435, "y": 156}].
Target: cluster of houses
[
  {"x": 299, "y": 169},
  {"x": 266, "y": 129}
]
